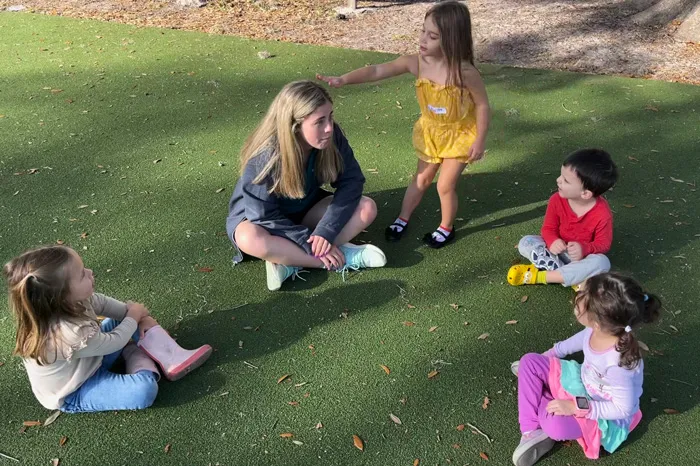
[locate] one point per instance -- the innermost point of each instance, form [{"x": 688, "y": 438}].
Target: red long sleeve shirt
[{"x": 593, "y": 230}]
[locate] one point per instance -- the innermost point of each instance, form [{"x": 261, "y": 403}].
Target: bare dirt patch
[{"x": 592, "y": 36}]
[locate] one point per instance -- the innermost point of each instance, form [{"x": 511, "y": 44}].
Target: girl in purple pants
[{"x": 595, "y": 403}]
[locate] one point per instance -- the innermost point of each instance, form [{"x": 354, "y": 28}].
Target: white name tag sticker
[{"x": 438, "y": 110}]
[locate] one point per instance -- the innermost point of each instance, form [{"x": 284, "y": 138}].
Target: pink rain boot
[
  {"x": 137, "y": 360},
  {"x": 175, "y": 361}
]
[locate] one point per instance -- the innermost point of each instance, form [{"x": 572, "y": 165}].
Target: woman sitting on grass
[{"x": 279, "y": 212}]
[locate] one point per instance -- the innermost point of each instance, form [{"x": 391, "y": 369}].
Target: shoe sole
[
  {"x": 190, "y": 364},
  {"x": 372, "y": 248},
  {"x": 530, "y": 453},
  {"x": 270, "y": 272}
]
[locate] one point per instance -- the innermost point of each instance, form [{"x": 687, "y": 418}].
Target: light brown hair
[
  {"x": 38, "y": 289},
  {"x": 453, "y": 21},
  {"x": 278, "y": 132}
]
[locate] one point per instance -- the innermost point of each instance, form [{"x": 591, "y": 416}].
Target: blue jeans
[{"x": 108, "y": 391}]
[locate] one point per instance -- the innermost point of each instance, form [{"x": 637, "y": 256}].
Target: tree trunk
[{"x": 352, "y": 4}]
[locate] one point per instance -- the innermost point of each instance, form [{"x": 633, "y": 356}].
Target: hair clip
[
  {"x": 646, "y": 297},
  {"x": 628, "y": 329}
]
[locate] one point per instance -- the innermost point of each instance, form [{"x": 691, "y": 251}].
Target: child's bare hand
[
  {"x": 476, "y": 152},
  {"x": 136, "y": 311},
  {"x": 332, "y": 81},
  {"x": 558, "y": 247},
  {"x": 561, "y": 407},
  {"x": 146, "y": 324},
  {"x": 575, "y": 251}
]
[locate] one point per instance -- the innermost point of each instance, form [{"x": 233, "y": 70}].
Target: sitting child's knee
[
  {"x": 528, "y": 359},
  {"x": 147, "y": 394}
]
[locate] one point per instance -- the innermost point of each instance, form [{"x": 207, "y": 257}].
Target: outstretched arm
[{"x": 368, "y": 74}]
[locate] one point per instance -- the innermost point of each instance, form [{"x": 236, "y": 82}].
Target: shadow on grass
[{"x": 273, "y": 325}]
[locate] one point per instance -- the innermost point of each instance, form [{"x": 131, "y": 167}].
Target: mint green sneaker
[
  {"x": 278, "y": 273},
  {"x": 360, "y": 257}
]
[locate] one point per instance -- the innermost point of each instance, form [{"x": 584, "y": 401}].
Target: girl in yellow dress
[{"x": 451, "y": 131}]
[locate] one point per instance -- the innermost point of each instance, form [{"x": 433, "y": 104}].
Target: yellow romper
[{"x": 446, "y": 128}]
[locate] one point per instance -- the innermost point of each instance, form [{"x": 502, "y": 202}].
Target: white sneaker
[
  {"x": 278, "y": 273},
  {"x": 359, "y": 257},
  {"x": 514, "y": 366},
  {"x": 532, "y": 447}
]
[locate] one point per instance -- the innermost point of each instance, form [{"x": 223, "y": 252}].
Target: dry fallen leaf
[
  {"x": 59, "y": 242},
  {"x": 456, "y": 446},
  {"x": 55, "y": 462},
  {"x": 454, "y": 306},
  {"x": 486, "y": 402},
  {"x": 408, "y": 323},
  {"x": 483, "y": 336},
  {"x": 297, "y": 442},
  {"x": 283, "y": 378},
  {"x": 287, "y": 435},
  {"x": 83, "y": 235},
  {"x": 63, "y": 441},
  {"x": 460, "y": 427},
  {"x": 167, "y": 448},
  {"x": 484, "y": 456},
  {"x": 671, "y": 411},
  {"x": 416, "y": 462},
  {"x": 511, "y": 322},
  {"x": 432, "y": 329},
  {"x": 220, "y": 190},
  {"x": 523, "y": 299},
  {"x": 629, "y": 206},
  {"x": 319, "y": 426},
  {"x": 205, "y": 269},
  {"x": 157, "y": 160},
  {"x": 643, "y": 345},
  {"x": 359, "y": 444},
  {"x": 386, "y": 369},
  {"x": 432, "y": 374},
  {"x": 52, "y": 418},
  {"x": 395, "y": 419},
  {"x": 293, "y": 403},
  {"x": 31, "y": 423},
  {"x": 410, "y": 306}
]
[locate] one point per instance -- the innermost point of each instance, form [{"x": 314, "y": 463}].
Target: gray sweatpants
[{"x": 533, "y": 248}]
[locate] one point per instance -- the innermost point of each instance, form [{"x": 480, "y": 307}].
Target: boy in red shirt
[{"x": 577, "y": 229}]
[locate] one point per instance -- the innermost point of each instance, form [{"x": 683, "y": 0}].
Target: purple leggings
[{"x": 533, "y": 396}]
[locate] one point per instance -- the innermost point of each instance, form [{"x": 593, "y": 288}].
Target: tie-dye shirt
[{"x": 614, "y": 390}]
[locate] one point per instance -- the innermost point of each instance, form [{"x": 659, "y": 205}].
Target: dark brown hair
[
  {"x": 454, "y": 23},
  {"x": 618, "y": 304},
  {"x": 38, "y": 292}
]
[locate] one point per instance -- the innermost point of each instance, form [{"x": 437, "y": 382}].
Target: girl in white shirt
[{"x": 68, "y": 354}]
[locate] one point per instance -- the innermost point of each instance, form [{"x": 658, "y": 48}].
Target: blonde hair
[
  {"x": 278, "y": 132},
  {"x": 38, "y": 293},
  {"x": 454, "y": 23}
]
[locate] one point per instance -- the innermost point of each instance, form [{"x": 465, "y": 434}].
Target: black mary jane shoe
[
  {"x": 393, "y": 235},
  {"x": 433, "y": 243}
]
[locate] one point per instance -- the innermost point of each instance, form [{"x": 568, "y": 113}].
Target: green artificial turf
[{"x": 134, "y": 131}]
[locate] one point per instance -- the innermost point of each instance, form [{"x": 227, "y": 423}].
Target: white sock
[
  {"x": 438, "y": 237},
  {"x": 399, "y": 225}
]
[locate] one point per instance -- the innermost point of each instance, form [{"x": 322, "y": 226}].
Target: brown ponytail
[
  {"x": 38, "y": 298},
  {"x": 619, "y": 305}
]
